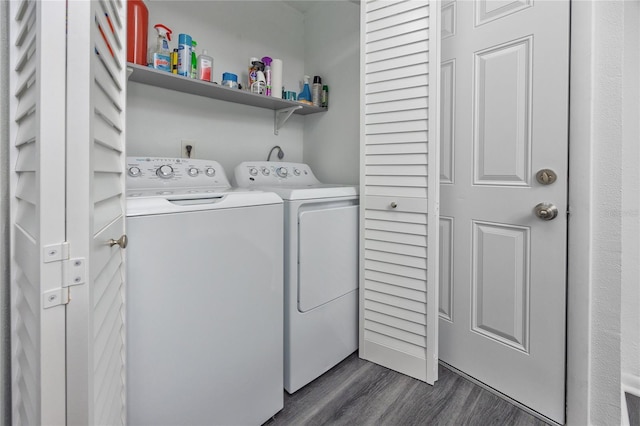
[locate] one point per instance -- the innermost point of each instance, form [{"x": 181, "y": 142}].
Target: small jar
[{"x": 230, "y": 80}]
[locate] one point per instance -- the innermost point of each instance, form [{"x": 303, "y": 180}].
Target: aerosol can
[{"x": 160, "y": 56}]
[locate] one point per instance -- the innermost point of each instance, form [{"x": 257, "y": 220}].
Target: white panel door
[
  {"x": 37, "y": 134},
  {"x": 504, "y": 118},
  {"x": 399, "y": 186},
  {"x": 96, "y": 92}
]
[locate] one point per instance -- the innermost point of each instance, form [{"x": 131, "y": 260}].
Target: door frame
[
  {"x": 582, "y": 239},
  {"x": 594, "y": 249}
]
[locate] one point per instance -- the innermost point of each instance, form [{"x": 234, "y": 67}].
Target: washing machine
[
  {"x": 204, "y": 298},
  {"x": 321, "y": 266}
]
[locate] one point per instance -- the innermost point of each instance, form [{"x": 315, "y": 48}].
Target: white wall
[
  {"x": 232, "y": 32},
  {"x": 332, "y": 51},
  {"x": 630, "y": 313}
]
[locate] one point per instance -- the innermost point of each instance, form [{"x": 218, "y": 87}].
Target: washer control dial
[
  {"x": 253, "y": 171},
  {"x": 265, "y": 171},
  {"x": 296, "y": 172},
  {"x": 210, "y": 171},
  {"x": 165, "y": 172},
  {"x": 134, "y": 171},
  {"x": 282, "y": 172},
  {"x": 193, "y": 172}
]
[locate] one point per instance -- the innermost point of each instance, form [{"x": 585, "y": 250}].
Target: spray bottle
[
  {"x": 305, "y": 95},
  {"x": 160, "y": 56}
]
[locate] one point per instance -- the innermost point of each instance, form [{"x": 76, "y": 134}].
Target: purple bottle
[{"x": 267, "y": 74}]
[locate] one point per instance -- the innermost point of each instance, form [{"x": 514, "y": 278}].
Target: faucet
[{"x": 280, "y": 153}]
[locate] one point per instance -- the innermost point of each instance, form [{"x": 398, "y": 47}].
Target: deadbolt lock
[{"x": 546, "y": 176}]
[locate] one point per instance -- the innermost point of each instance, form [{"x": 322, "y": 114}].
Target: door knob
[
  {"x": 546, "y": 211},
  {"x": 122, "y": 242}
]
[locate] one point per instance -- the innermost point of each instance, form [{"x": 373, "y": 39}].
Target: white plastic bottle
[{"x": 205, "y": 66}]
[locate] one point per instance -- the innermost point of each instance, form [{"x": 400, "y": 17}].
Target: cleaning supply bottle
[
  {"x": 205, "y": 66},
  {"x": 316, "y": 91},
  {"x": 174, "y": 61},
  {"x": 194, "y": 59},
  {"x": 259, "y": 86},
  {"x": 160, "y": 56},
  {"x": 305, "y": 95},
  {"x": 267, "y": 74},
  {"x": 325, "y": 97},
  {"x": 255, "y": 65},
  {"x": 137, "y": 31},
  {"x": 184, "y": 55}
]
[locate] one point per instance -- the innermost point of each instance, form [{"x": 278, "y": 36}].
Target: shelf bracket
[{"x": 281, "y": 116}]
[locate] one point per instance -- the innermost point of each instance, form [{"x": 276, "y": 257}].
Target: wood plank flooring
[
  {"x": 633, "y": 407},
  {"x": 358, "y": 392}
]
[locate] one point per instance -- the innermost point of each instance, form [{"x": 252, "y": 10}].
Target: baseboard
[
  {"x": 631, "y": 384},
  {"x": 395, "y": 360}
]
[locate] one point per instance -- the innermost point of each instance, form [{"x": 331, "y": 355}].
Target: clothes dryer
[
  {"x": 204, "y": 296},
  {"x": 321, "y": 266}
]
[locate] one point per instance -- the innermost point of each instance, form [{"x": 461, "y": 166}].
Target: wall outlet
[{"x": 185, "y": 151}]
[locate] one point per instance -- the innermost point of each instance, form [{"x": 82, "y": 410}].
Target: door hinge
[
  {"x": 57, "y": 296},
  {"x": 55, "y": 252},
  {"x": 74, "y": 272}
]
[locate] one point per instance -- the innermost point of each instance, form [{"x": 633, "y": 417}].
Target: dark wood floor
[
  {"x": 357, "y": 392},
  {"x": 633, "y": 407}
]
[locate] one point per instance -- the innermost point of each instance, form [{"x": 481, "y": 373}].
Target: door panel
[
  {"x": 488, "y": 10},
  {"x": 95, "y": 179},
  {"x": 327, "y": 259},
  {"x": 505, "y": 103},
  {"x": 445, "y": 305},
  {"x": 399, "y": 209},
  {"x": 501, "y": 114},
  {"x": 447, "y": 121},
  {"x": 37, "y": 132},
  {"x": 500, "y": 283}
]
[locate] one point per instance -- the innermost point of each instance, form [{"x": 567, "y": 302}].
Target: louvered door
[
  {"x": 37, "y": 132},
  {"x": 95, "y": 149},
  {"x": 399, "y": 186}
]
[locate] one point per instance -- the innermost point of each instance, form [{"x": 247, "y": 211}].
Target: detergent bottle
[{"x": 160, "y": 56}]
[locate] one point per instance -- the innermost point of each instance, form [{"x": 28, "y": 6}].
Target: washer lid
[{"x": 149, "y": 203}]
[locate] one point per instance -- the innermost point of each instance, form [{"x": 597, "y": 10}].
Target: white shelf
[{"x": 153, "y": 77}]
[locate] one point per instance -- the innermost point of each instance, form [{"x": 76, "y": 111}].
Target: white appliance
[
  {"x": 204, "y": 297},
  {"x": 321, "y": 266}
]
